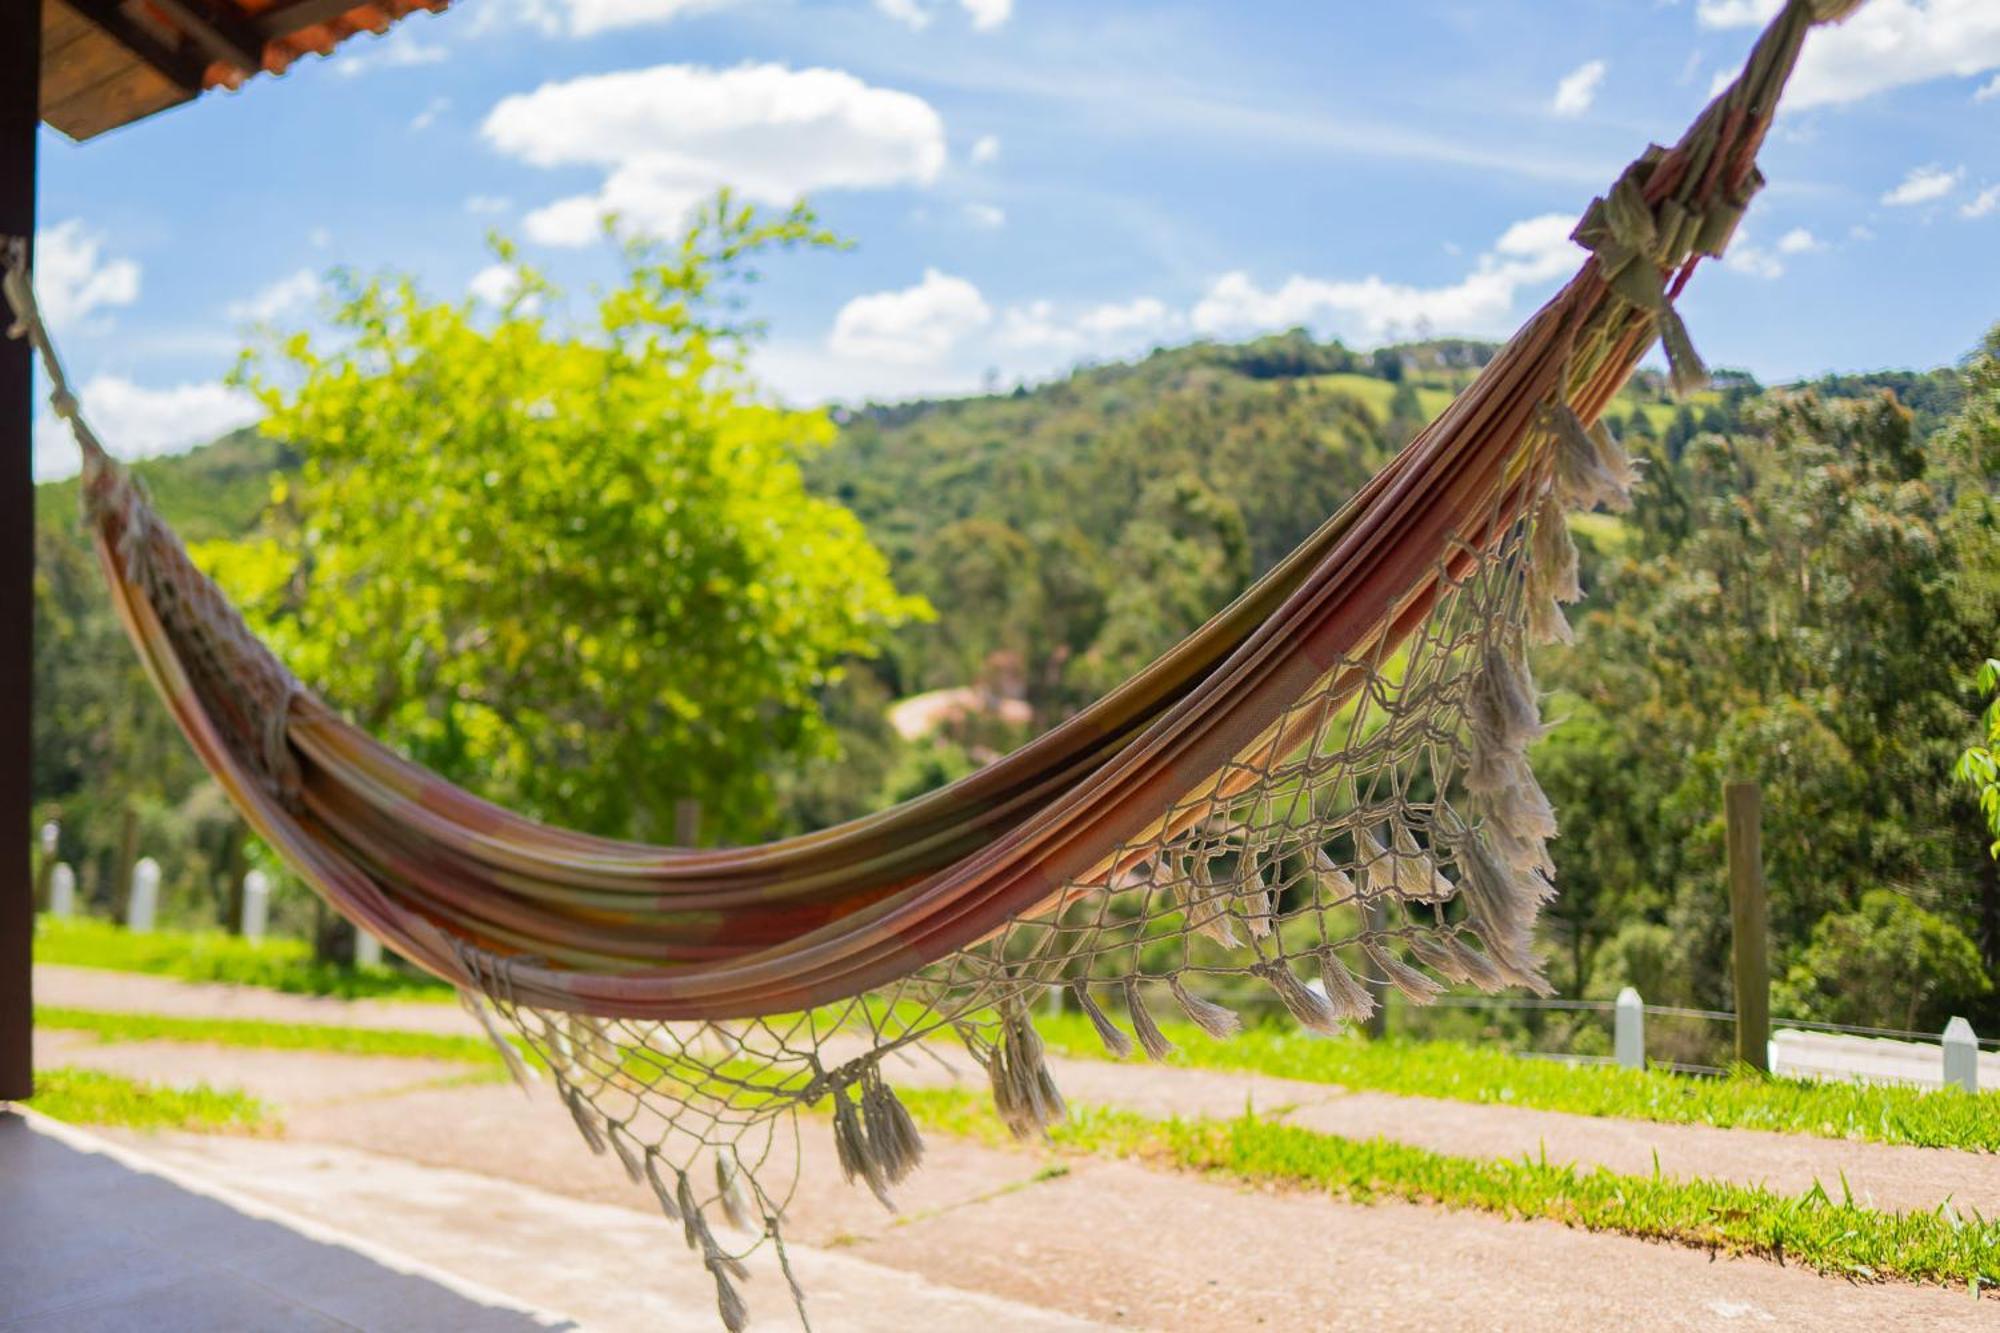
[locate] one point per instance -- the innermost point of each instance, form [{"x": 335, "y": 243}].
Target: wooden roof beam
[
  {"x": 225, "y": 38},
  {"x": 179, "y": 69}
]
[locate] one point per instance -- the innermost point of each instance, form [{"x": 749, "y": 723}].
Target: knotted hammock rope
[{"x": 1324, "y": 786}]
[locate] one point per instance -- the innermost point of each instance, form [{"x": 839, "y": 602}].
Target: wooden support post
[
  {"x": 687, "y": 822},
  {"x": 20, "y": 117},
  {"x": 1742, "y": 804}
]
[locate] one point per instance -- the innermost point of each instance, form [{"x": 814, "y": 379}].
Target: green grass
[
  {"x": 265, "y": 1035},
  {"x": 275, "y": 963},
  {"x": 88, "y": 1097},
  {"x": 1832, "y": 1236},
  {"x": 1883, "y": 1114}
]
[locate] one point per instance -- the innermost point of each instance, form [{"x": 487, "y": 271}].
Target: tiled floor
[{"x": 92, "y": 1238}]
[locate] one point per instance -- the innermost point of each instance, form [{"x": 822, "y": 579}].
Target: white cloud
[
  {"x": 289, "y": 296},
  {"x": 428, "y": 117},
  {"x": 1578, "y": 89},
  {"x": 495, "y": 284},
  {"x": 486, "y": 205},
  {"x": 1885, "y": 44},
  {"x": 988, "y": 14},
  {"x": 1372, "y": 310},
  {"x": 74, "y": 278},
  {"x": 1735, "y": 13},
  {"x": 1747, "y": 257},
  {"x": 671, "y": 135},
  {"x": 988, "y": 216},
  {"x": 1799, "y": 241},
  {"x": 1989, "y": 92},
  {"x": 396, "y": 51},
  {"x": 138, "y": 422},
  {"x": 585, "y": 18},
  {"x": 1923, "y": 185},
  {"x": 908, "y": 12},
  {"x": 319, "y": 238},
  {"x": 1103, "y": 329},
  {"x": 1985, "y": 202},
  {"x": 918, "y": 325},
  {"x": 985, "y": 149}
]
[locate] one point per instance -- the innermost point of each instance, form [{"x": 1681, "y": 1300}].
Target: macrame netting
[{"x": 1324, "y": 789}]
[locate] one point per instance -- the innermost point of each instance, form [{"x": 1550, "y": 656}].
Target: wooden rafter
[
  {"x": 224, "y": 37},
  {"x": 179, "y": 68}
]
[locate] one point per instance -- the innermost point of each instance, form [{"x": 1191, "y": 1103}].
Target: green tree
[
  {"x": 1979, "y": 767},
  {"x": 1888, "y": 962},
  {"x": 571, "y": 563}
]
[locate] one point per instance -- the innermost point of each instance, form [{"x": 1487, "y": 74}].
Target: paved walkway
[
  {"x": 497, "y": 1189},
  {"x": 93, "y": 1236}
]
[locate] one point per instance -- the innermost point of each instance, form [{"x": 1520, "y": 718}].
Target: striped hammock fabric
[{"x": 1324, "y": 788}]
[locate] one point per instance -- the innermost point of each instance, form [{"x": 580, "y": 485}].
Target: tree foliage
[{"x": 572, "y": 564}]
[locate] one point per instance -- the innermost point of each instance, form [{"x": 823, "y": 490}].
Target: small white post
[
  {"x": 367, "y": 949},
  {"x": 145, "y": 904},
  {"x": 256, "y": 905},
  {"x": 1961, "y": 1056},
  {"x": 1628, "y": 1030},
  {"x": 51, "y": 839},
  {"x": 62, "y": 891}
]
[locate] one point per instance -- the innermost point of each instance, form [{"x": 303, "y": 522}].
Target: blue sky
[{"x": 1031, "y": 183}]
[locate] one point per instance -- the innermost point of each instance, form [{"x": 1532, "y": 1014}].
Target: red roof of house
[{"x": 106, "y": 63}]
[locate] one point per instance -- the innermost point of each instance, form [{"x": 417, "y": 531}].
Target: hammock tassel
[
  {"x": 1553, "y": 579},
  {"x": 1151, "y": 1040},
  {"x": 892, "y": 1134},
  {"x": 1313, "y": 1010},
  {"x": 729, "y": 1188},
  {"x": 1412, "y": 984},
  {"x": 1348, "y": 997},
  {"x": 1023, "y": 1092},
  {"x": 1115, "y": 1041},
  {"x": 1436, "y": 951},
  {"x": 1502, "y": 903},
  {"x": 660, "y": 1191},
  {"x": 857, "y": 1155},
  {"x": 1334, "y": 883},
  {"x": 518, "y": 1069},
  {"x": 1684, "y": 364},
  {"x": 1589, "y": 471},
  {"x": 586, "y": 1119},
  {"x": 1218, "y": 1022},
  {"x": 626, "y": 1147}
]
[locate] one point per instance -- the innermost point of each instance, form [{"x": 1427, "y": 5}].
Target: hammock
[{"x": 1322, "y": 788}]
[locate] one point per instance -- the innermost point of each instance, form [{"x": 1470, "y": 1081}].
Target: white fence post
[
  {"x": 145, "y": 904},
  {"x": 256, "y": 905},
  {"x": 367, "y": 949},
  {"x": 1961, "y": 1056},
  {"x": 62, "y": 891},
  {"x": 1628, "y": 1029}
]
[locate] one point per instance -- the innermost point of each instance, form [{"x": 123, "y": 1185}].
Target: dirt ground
[{"x": 1098, "y": 1242}]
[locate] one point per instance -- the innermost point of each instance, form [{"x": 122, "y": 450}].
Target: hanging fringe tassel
[
  {"x": 692, "y": 1227},
  {"x": 1434, "y": 950},
  {"x": 628, "y": 1152},
  {"x": 1502, "y": 904},
  {"x": 1208, "y": 903},
  {"x": 1023, "y": 1092},
  {"x": 1313, "y": 1010},
  {"x": 1212, "y": 1018},
  {"x": 1114, "y": 1039},
  {"x": 1348, "y": 997},
  {"x": 1153, "y": 1041},
  {"x": 1587, "y": 474},
  {"x": 1413, "y": 873},
  {"x": 1333, "y": 882},
  {"x": 1553, "y": 578},
  {"x": 892, "y": 1134},
  {"x": 1256, "y": 906},
  {"x": 1414, "y": 985},
  {"x": 518, "y": 1069},
  {"x": 586, "y": 1119},
  {"x": 729, "y": 1188},
  {"x": 668, "y": 1204},
  {"x": 851, "y": 1146},
  {"x": 1684, "y": 365}
]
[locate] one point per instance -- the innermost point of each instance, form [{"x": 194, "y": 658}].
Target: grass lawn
[
  {"x": 87, "y": 1097},
  {"x": 1884, "y": 1114},
  {"x": 264, "y": 1035},
  {"x": 274, "y": 963},
  {"x": 1831, "y": 1235}
]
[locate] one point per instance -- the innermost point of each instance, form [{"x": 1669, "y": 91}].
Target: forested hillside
[{"x": 1801, "y": 594}]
